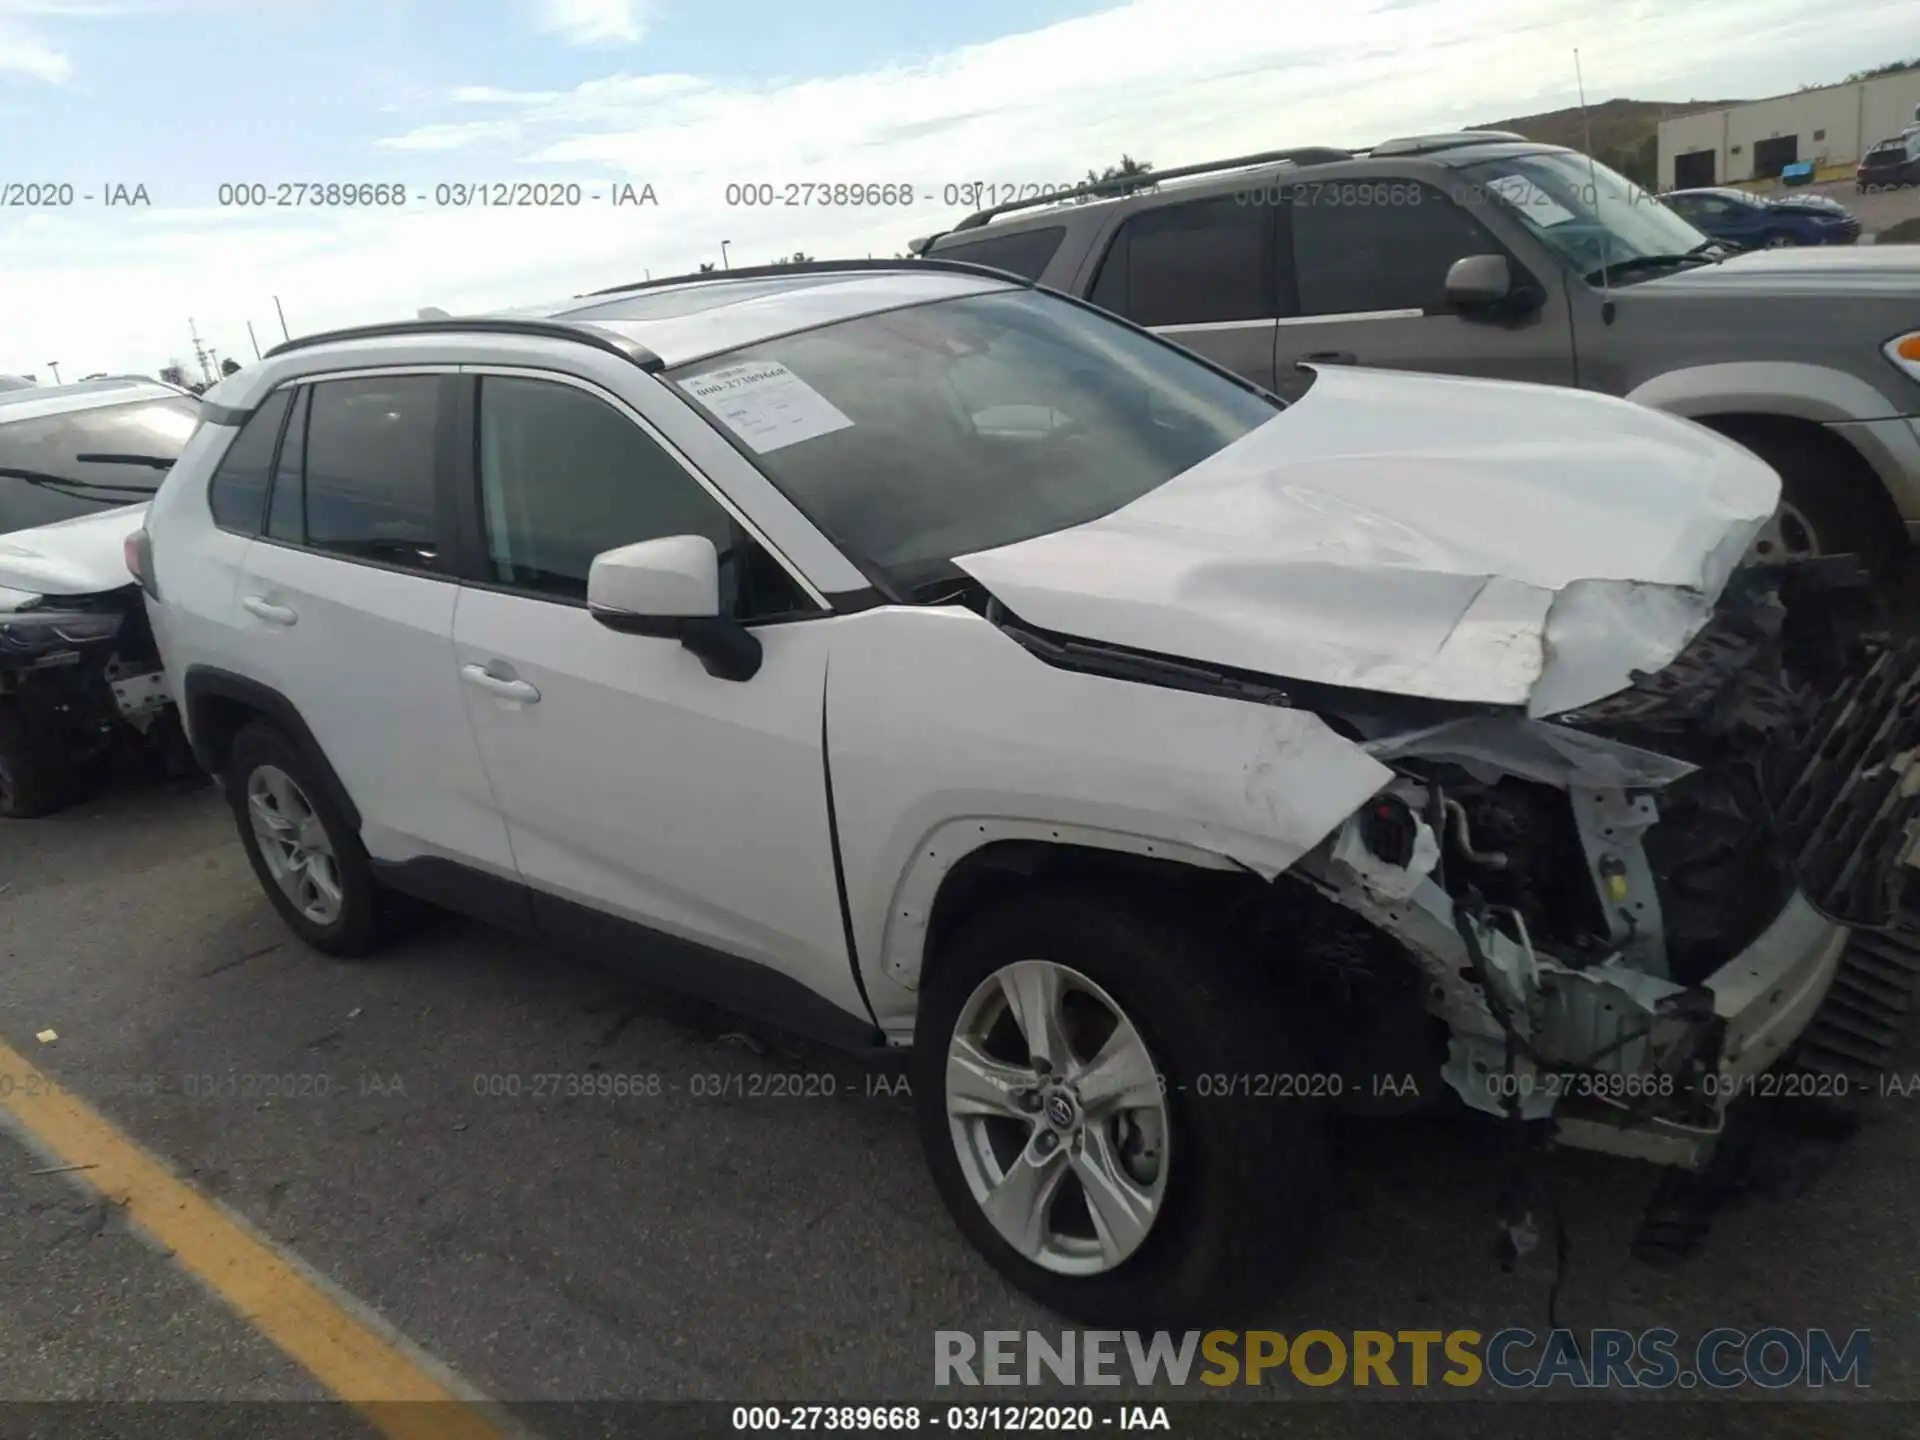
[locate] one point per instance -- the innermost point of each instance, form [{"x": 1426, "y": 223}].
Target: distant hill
[{"x": 1625, "y": 132}]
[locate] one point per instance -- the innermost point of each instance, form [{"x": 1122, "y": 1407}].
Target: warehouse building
[{"x": 1833, "y": 125}]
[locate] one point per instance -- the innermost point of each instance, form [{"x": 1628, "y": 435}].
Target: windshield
[
  {"x": 58, "y": 485},
  {"x": 925, "y": 433},
  {"x": 1592, "y": 215}
]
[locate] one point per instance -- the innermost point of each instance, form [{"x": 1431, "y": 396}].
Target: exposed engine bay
[{"x": 1623, "y": 913}]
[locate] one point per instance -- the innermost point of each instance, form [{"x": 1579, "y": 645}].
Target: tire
[
  {"x": 36, "y": 774},
  {"x": 1777, "y": 240},
  {"x": 1242, "y": 1182},
  {"x": 1831, "y": 495},
  {"x": 265, "y": 766}
]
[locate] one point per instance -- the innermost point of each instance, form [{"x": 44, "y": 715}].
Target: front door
[
  {"x": 1362, "y": 281},
  {"x": 635, "y": 784}
]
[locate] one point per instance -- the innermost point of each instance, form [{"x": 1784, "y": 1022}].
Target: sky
[{"x": 192, "y": 105}]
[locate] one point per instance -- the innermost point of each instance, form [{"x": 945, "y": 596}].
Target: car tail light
[{"x": 138, "y": 548}]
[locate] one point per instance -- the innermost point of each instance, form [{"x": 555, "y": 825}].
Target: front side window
[
  {"x": 564, "y": 476},
  {"x": 1391, "y": 253},
  {"x": 52, "y": 481},
  {"x": 921, "y": 434},
  {"x": 1593, "y": 217},
  {"x": 1205, "y": 262},
  {"x": 370, "y": 469}
]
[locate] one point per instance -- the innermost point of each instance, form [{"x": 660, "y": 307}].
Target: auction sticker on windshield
[
  {"x": 765, "y": 404},
  {"x": 1530, "y": 200}
]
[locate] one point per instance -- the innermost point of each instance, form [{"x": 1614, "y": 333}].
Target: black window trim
[
  {"x": 273, "y": 464},
  {"x": 447, "y": 375},
  {"x": 1289, "y": 266},
  {"x": 474, "y": 569},
  {"x": 1107, "y": 242}
]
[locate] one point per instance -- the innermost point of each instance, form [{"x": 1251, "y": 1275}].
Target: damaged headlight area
[
  {"x": 36, "y": 634},
  {"x": 1623, "y": 914}
]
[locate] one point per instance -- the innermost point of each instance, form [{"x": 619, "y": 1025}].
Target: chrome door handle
[
  {"x": 268, "y": 611},
  {"x": 493, "y": 684}
]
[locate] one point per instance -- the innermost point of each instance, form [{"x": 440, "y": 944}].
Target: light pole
[
  {"x": 54, "y": 365},
  {"x": 723, "y": 255}
]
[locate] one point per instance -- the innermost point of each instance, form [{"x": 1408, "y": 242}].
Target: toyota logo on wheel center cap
[{"x": 1060, "y": 1110}]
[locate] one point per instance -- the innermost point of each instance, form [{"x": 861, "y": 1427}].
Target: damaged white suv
[{"x": 918, "y": 658}]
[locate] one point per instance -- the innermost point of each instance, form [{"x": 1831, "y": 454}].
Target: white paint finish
[
  {"x": 367, "y": 661},
  {"x": 685, "y": 322},
  {"x": 677, "y": 575},
  {"x": 645, "y": 787},
  {"x": 936, "y": 717},
  {"x": 1600, "y": 632},
  {"x": 1406, "y": 533},
  {"x": 81, "y": 556}
]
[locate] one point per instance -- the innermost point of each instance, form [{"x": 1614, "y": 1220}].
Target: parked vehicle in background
[
  {"x": 16, "y": 382},
  {"x": 925, "y": 661},
  {"x": 1890, "y": 163},
  {"x": 78, "y": 669},
  {"x": 1757, "y": 222},
  {"x": 1481, "y": 253}
]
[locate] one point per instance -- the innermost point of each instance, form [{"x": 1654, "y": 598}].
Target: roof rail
[
  {"x": 1449, "y": 140},
  {"x": 593, "y": 335},
  {"x": 1121, "y": 185},
  {"x": 813, "y": 267}
]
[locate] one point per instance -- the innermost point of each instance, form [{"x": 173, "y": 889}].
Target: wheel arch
[
  {"x": 969, "y": 862},
  {"x": 217, "y": 704}
]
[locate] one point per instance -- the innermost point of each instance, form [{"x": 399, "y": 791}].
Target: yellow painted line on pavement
[{"x": 398, "y": 1393}]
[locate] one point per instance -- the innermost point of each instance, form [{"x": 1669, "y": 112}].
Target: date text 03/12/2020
[
  {"x": 959, "y": 1419},
  {"x": 888, "y": 194}
]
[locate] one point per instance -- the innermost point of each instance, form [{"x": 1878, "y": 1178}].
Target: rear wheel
[
  {"x": 36, "y": 772},
  {"x": 306, "y": 856},
  {"x": 1094, "y": 1085},
  {"x": 1778, "y": 240}
]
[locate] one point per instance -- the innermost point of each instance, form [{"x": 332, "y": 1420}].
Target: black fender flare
[{"x": 204, "y": 686}]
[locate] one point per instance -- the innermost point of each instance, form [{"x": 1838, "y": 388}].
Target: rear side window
[
  {"x": 1027, "y": 253},
  {"x": 60, "y": 485},
  {"x": 370, "y": 469},
  {"x": 238, "y": 491},
  {"x": 1392, "y": 254},
  {"x": 1194, "y": 264}
]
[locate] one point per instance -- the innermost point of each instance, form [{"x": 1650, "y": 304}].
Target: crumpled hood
[
  {"x": 1423, "y": 535},
  {"x": 81, "y": 556}
]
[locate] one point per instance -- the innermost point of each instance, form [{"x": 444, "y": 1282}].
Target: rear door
[
  {"x": 1363, "y": 278},
  {"x": 345, "y": 606},
  {"x": 1201, "y": 273}
]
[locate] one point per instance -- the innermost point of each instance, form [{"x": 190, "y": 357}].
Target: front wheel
[
  {"x": 1778, "y": 241},
  {"x": 36, "y": 770},
  {"x": 1095, "y": 1090}
]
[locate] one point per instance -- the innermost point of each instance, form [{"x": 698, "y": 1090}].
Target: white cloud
[
  {"x": 1169, "y": 81},
  {"x": 22, "y": 54},
  {"x": 451, "y": 136},
  {"x": 596, "y": 22}
]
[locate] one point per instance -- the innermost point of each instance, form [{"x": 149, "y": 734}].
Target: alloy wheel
[
  {"x": 294, "y": 843},
  {"x": 1059, "y": 1117},
  {"x": 1789, "y": 535}
]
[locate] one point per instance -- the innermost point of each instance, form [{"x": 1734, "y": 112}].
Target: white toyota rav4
[{"x": 915, "y": 657}]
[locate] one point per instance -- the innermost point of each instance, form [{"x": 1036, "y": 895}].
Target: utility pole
[
  {"x": 255, "y": 339},
  {"x": 200, "y": 353},
  {"x": 724, "y": 264},
  {"x": 283, "y": 318}
]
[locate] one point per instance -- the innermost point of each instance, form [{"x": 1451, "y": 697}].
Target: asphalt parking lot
[{"x": 687, "y": 1241}]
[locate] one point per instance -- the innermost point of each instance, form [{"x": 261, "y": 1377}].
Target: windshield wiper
[
  {"x": 157, "y": 462},
  {"x": 1634, "y": 264},
  {"x": 75, "y": 489}
]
